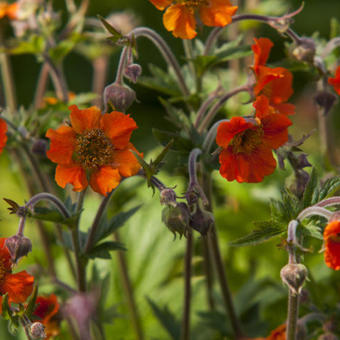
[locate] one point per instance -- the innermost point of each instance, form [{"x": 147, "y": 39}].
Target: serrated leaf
[
  {"x": 175, "y": 115},
  {"x": 31, "y": 302},
  {"x": 106, "y": 228},
  {"x": 167, "y": 319},
  {"x": 102, "y": 250},
  {"x": 264, "y": 232},
  {"x": 313, "y": 231},
  {"x": 215, "y": 320},
  {"x": 328, "y": 188},
  {"x": 52, "y": 215}
]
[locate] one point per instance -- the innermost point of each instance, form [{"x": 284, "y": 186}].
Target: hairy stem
[
  {"x": 41, "y": 87},
  {"x": 293, "y": 310}
]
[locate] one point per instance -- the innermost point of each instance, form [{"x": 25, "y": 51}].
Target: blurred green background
[{"x": 154, "y": 258}]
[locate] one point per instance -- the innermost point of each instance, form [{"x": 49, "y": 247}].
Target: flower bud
[
  {"x": 201, "y": 220},
  {"x": 39, "y": 147},
  {"x": 176, "y": 218},
  {"x": 168, "y": 197},
  {"x": 119, "y": 97},
  {"x": 133, "y": 71},
  {"x": 18, "y": 246},
  {"x": 294, "y": 275},
  {"x": 38, "y": 330},
  {"x": 325, "y": 100},
  {"x": 305, "y": 50}
]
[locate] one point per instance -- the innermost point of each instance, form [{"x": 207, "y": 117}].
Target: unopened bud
[
  {"x": 18, "y": 246},
  {"x": 119, "y": 97},
  {"x": 38, "y": 330},
  {"x": 168, "y": 197},
  {"x": 39, "y": 147},
  {"x": 294, "y": 275},
  {"x": 133, "y": 71},
  {"x": 325, "y": 100},
  {"x": 176, "y": 218},
  {"x": 201, "y": 220},
  {"x": 305, "y": 50}
]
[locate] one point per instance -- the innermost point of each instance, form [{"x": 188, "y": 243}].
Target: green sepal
[
  {"x": 31, "y": 302},
  {"x": 6, "y": 310}
]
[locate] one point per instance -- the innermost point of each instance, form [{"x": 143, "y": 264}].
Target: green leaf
[
  {"x": 215, "y": 320},
  {"x": 311, "y": 186},
  {"x": 35, "y": 45},
  {"x": 106, "y": 227},
  {"x": 265, "y": 231},
  {"x": 31, "y": 302},
  {"x": 67, "y": 239},
  {"x": 116, "y": 35},
  {"x": 167, "y": 319},
  {"x": 313, "y": 230},
  {"x": 180, "y": 143},
  {"x": 102, "y": 250},
  {"x": 60, "y": 51},
  {"x": 52, "y": 215},
  {"x": 330, "y": 186},
  {"x": 203, "y": 62},
  {"x": 6, "y": 311}
]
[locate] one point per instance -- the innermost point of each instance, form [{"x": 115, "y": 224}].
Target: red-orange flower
[
  {"x": 96, "y": 146},
  {"x": 3, "y": 136},
  {"x": 273, "y": 83},
  {"x": 278, "y": 333},
  {"x": 332, "y": 245},
  {"x": 179, "y": 17},
  {"x": 45, "y": 312},
  {"x": 336, "y": 81},
  {"x": 8, "y": 10},
  {"x": 247, "y": 146},
  {"x": 18, "y": 286}
]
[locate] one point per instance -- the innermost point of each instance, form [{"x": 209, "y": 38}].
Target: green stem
[
  {"x": 41, "y": 87},
  {"x": 122, "y": 265},
  {"x": 208, "y": 270},
  {"x": 185, "y": 331},
  {"x": 293, "y": 310}
]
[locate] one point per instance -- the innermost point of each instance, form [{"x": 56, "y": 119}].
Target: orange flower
[
  {"x": 8, "y": 10},
  {"x": 273, "y": 83},
  {"x": 336, "y": 81},
  {"x": 18, "y": 286},
  {"x": 3, "y": 136},
  {"x": 332, "y": 245},
  {"x": 95, "y": 146},
  {"x": 247, "y": 146},
  {"x": 45, "y": 312},
  {"x": 179, "y": 17},
  {"x": 278, "y": 333}
]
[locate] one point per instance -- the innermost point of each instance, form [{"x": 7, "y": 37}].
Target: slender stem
[
  {"x": 211, "y": 135},
  {"x": 41, "y": 87},
  {"x": 165, "y": 51},
  {"x": 331, "y": 45},
  {"x": 7, "y": 77},
  {"x": 58, "y": 79},
  {"x": 212, "y": 112},
  {"x": 221, "y": 273},
  {"x": 187, "y": 45},
  {"x": 122, "y": 265},
  {"x": 122, "y": 65},
  {"x": 100, "y": 66},
  {"x": 314, "y": 210},
  {"x": 293, "y": 310},
  {"x": 208, "y": 270},
  {"x": 329, "y": 202},
  {"x": 95, "y": 224},
  {"x": 185, "y": 331},
  {"x": 64, "y": 286},
  {"x": 26, "y": 330}
]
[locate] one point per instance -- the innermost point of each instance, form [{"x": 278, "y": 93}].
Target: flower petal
[
  {"x": 19, "y": 286},
  {"x": 217, "y": 13},
  {"x": 161, "y": 4},
  {"x": 105, "y": 180},
  {"x": 46, "y": 307},
  {"x": 126, "y": 162},
  {"x": 3, "y": 136},
  {"x": 84, "y": 120},
  {"x": 275, "y": 130},
  {"x": 5, "y": 257},
  {"x": 118, "y": 127},
  {"x": 261, "y": 50},
  {"x": 227, "y": 130},
  {"x": 335, "y": 82},
  {"x": 332, "y": 245},
  {"x": 180, "y": 20},
  {"x": 61, "y": 145},
  {"x": 72, "y": 174}
]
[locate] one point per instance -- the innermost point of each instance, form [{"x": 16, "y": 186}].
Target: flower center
[
  {"x": 196, "y": 3},
  {"x": 247, "y": 141},
  {"x": 3, "y": 272},
  {"x": 93, "y": 149}
]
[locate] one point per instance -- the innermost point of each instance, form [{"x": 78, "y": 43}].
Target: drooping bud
[
  {"x": 201, "y": 220},
  {"x": 18, "y": 247},
  {"x": 39, "y": 147},
  {"x": 176, "y": 218},
  {"x": 119, "y": 97},
  {"x": 38, "y": 330},
  {"x": 325, "y": 100},
  {"x": 294, "y": 276},
  {"x": 168, "y": 197},
  {"x": 133, "y": 71},
  {"x": 305, "y": 50}
]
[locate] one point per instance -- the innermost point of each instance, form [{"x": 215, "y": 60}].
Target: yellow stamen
[{"x": 93, "y": 149}]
